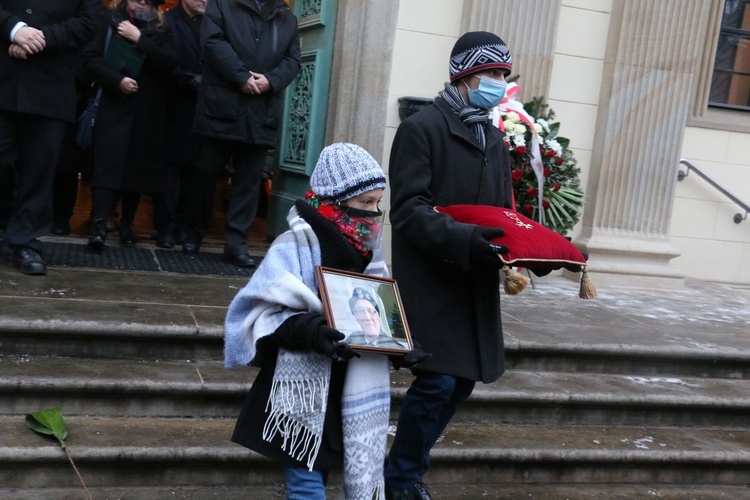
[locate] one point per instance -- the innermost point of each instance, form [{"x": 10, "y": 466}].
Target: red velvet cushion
[{"x": 530, "y": 244}]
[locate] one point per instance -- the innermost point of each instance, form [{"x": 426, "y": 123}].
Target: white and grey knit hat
[{"x": 344, "y": 171}]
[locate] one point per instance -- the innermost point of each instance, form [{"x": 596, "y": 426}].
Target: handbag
[{"x": 85, "y": 133}]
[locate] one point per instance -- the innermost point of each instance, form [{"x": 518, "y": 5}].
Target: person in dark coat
[
  {"x": 38, "y": 41},
  {"x": 306, "y": 412},
  {"x": 184, "y": 20},
  {"x": 448, "y": 153},
  {"x": 251, "y": 51},
  {"x": 131, "y": 119}
]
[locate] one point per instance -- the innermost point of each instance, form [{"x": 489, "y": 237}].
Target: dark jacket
[
  {"x": 336, "y": 252},
  {"x": 436, "y": 160},
  {"x": 130, "y": 129},
  {"x": 237, "y": 38},
  {"x": 45, "y": 84},
  {"x": 183, "y": 88}
]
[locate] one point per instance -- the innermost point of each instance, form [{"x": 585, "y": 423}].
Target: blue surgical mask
[{"x": 488, "y": 94}]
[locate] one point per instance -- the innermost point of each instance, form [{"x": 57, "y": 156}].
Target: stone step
[
  {"x": 205, "y": 389},
  {"x": 146, "y": 452},
  {"x": 581, "y": 491}
]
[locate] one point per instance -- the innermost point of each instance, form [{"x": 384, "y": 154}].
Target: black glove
[
  {"x": 326, "y": 341},
  {"x": 482, "y": 252}
]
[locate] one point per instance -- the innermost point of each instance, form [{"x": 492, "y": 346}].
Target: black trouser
[
  {"x": 104, "y": 202},
  {"x": 169, "y": 206},
  {"x": 65, "y": 189},
  {"x": 33, "y": 143},
  {"x": 248, "y": 161}
]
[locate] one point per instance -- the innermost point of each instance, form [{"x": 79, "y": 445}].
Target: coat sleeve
[
  {"x": 412, "y": 176},
  {"x": 7, "y": 22},
  {"x": 95, "y": 67},
  {"x": 75, "y": 31},
  {"x": 159, "y": 50},
  {"x": 217, "y": 51},
  {"x": 286, "y": 71}
]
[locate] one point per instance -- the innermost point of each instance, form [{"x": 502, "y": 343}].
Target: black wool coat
[
  {"x": 183, "y": 89},
  {"x": 45, "y": 83},
  {"x": 452, "y": 309},
  {"x": 237, "y": 38},
  {"x": 130, "y": 129}
]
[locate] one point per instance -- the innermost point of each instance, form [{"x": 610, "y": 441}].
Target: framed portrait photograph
[{"x": 366, "y": 309}]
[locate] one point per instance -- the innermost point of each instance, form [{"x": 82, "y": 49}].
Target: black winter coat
[
  {"x": 436, "y": 160},
  {"x": 45, "y": 83},
  {"x": 183, "y": 89},
  {"x": 130, "y": 129},
  {"x": 237, "y": 38}
]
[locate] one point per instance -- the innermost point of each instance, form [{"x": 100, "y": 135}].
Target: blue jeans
[
  {"x": 430, "y": 403},
  {"x": 303, "y": 484}
]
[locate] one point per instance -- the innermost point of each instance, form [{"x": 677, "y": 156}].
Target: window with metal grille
[{"x": 730, "y": 85}]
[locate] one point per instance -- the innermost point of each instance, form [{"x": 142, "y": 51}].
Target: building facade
[{"x": 630, "y": 83}]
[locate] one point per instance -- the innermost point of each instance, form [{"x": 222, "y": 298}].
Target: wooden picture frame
[{"x": 367, "y": 309}]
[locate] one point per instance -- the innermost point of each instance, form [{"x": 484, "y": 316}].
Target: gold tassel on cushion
[
  {"x": 588, "y": 290},
  {"x": 515, "y": 282}
]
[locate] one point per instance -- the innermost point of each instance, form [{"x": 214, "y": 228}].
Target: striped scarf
[{"x": 474, "y": 118}]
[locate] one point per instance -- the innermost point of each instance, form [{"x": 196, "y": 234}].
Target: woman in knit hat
[
  {"x": 305, "y": 408},
  {"x": 448, "y": 153}
]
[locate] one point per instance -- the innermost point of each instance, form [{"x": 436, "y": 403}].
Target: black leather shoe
[
  {"x": 127, "y": 235},
  {"x": 29, "y": 261},
  {"x": 61, "y": 228},
  {"x": 391, "y": 494},
  {"x": 242, "y": 260},
  {"x": 421, "y": 492},
  {"x": 165, "y": 239},
  {"x": 191, "y": 247},
  {"x": 98, "y": 238}
]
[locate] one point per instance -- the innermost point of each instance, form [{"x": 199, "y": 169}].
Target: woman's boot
[
  {"x": 127, "y": 235},
  {"x": 98, "y": 237}
]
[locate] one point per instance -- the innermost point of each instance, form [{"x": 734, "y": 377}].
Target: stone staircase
[{"x": 639, "y": 393}]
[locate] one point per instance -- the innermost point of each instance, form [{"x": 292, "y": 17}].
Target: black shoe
[
  {"x": 241, "y": 260},
  {"x": 391, "y": 494},
  {"x": 421, "y": 492},
  {"x": 190, "y": 247},
  {"x": 29, "y": 261},
  {"x": 98, "y": 238},
  {"x": 127, "y": 235},
  {"x": 61, "y": 228},
  {"x": 165, "y": 239}
]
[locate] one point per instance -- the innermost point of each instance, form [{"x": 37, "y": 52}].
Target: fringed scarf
[
  {"x": 283, "y": 285},
  {"x": 474, "y": 118}
]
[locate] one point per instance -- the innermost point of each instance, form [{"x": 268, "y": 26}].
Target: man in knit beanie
[{"x": 448, "y": 153}]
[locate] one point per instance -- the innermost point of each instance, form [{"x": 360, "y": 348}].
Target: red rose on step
[
  {"x": 550, "y": 153},
  {"x": 528, "y": 208},
  {"x": 545, "y": 203},
  {"x": 521, "y": 150},
  {"x": 556, "y": 187},
  {"x": 559, "y": 161},
  {"x": 531, "y": 192},
  {"x": 517, "y": 174},
  {"x": 546, "y": 172}
]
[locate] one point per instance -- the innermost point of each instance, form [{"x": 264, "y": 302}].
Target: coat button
[{"x": 29, "y": 11}]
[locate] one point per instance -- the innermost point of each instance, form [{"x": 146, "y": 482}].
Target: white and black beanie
[
  {"x": 344, "y": 171},
  {"x": 478, "y": 51}
]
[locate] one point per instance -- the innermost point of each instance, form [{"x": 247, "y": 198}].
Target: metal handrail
[{"x": 681, "y": 175}]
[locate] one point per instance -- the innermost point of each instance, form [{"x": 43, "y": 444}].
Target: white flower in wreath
[
  {"x": 544, "y": 124},
  {"x": 537, "y": 128},
  {"x": 555, "y": 146}
]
